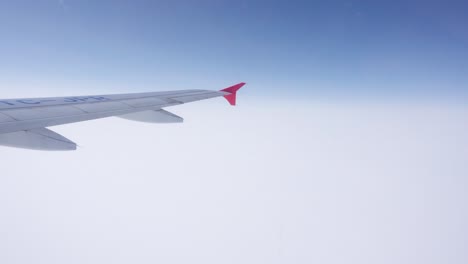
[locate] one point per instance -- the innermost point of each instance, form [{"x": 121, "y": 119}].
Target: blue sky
[{"x": 305, "y": 48}]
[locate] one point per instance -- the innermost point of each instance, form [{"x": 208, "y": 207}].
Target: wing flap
[
  {"x": 37, "y": 139},
  {"x": 144, "y": 102},
  {"x": 41, "y": 112},
  {"x": 5, "y": 118},
  {"x": 103, "y": 107}
]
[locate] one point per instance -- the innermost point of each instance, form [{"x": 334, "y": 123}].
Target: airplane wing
[{"x": 24, "y": 122}]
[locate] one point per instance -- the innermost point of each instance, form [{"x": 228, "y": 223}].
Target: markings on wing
[
  {"x": 39, "y": 102},
  {"x": 78, "y": 100},
  {"x": 24, "y": 114}
]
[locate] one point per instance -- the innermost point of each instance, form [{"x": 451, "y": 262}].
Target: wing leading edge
[{"x": 23, "y": 122}]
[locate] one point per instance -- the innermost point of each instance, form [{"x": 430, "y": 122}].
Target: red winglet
[{"x": 231, "y": 98}]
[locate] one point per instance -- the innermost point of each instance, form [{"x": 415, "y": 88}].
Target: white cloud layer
[{"x": 266, "y": 182}]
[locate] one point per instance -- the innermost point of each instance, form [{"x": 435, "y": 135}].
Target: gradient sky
[
  {"x": 275, "y": 180},
  {"x": 286, "y": 48}
]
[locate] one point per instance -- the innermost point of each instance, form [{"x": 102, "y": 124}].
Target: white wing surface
[{"x": 23, "y": 122}]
